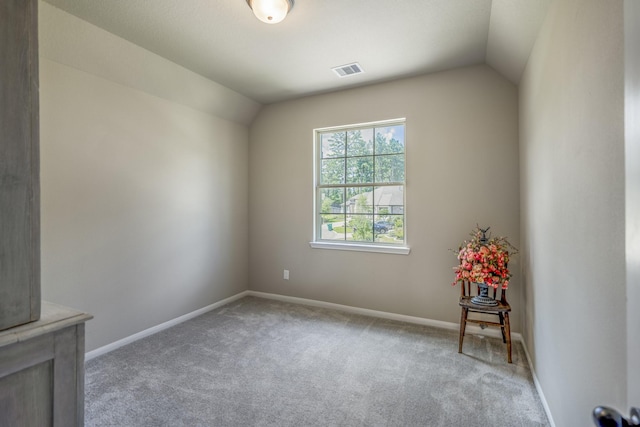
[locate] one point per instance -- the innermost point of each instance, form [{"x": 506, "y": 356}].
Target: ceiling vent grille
[{"x": 348, "y": 70}]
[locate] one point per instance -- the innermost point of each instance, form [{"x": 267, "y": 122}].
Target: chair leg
[
  {"x": 463, "y": 326},
  {"x": 507, "y": 331},
  {"x": 504, "y": 337}
]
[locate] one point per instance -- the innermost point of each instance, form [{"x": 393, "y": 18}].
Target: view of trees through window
[{"x": 360, "y": 184}]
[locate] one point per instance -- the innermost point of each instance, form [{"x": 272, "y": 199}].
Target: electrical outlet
[{"x": 286, "y": 275}]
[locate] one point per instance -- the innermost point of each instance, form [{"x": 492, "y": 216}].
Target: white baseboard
[
  {"x": 155, "y": 329},
  {"x": 472, "y": 329},
  {"x": 545, "y": 404}
]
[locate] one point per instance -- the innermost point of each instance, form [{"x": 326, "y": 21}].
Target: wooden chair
[{"x": 501, "y": 310}]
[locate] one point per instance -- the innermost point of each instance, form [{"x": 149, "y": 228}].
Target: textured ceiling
[{"x": 223, "y": 41}]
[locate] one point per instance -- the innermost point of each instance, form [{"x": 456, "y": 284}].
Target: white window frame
[{"x": 317, "y": 242}]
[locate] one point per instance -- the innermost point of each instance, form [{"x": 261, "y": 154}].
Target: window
[{"x": 359, "y": 183}]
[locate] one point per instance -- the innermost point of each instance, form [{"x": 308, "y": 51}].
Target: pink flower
[{"x": 484, "y": 262}]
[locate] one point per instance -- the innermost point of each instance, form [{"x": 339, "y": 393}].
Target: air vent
[{"x": 348, "y": 70}]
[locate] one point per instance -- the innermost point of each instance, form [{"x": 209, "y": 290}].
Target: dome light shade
[{"x": 270, "y": 11}]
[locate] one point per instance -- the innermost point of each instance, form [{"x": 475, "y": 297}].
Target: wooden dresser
[{"x": 42, "y": 370}]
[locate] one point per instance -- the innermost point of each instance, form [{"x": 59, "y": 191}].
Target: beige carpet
[{"x": 258, "y": 362}]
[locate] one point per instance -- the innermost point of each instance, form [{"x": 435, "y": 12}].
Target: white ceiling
[{"x": 223, "y": 41}]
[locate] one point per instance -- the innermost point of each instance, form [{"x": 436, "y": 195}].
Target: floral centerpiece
[{"x": 484, "y": 260}]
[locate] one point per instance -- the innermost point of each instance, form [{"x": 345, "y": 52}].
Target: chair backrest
[{"x": 467, "y": 288}]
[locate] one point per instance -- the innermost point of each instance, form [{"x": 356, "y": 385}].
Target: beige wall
[
  {"x": 632, "y": 199},
  {"x": 462, "y": 169},
  {"x": 144, "y": 199},
  {"x": 572, "y": 187},
  {"x": 79, "y": 44}
]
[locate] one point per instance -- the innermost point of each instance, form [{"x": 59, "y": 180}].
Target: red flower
[{"x": 484, "y": 262}]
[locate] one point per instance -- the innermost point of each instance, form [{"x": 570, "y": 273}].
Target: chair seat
[{"x": 502, "y": 307}]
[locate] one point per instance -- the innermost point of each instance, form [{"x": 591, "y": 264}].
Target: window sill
[{"x": 397, "y": 250}]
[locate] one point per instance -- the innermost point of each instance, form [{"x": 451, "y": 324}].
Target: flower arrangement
[{"x": 484, "y": 260}]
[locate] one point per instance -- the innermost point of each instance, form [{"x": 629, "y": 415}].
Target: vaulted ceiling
[{"x": 390, "y": 39}]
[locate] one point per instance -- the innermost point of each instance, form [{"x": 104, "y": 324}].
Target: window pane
[
  {"x": 360, "y": 142},
  {"x": 332, "y": 171},
  {"x": 389, "y": 228},
  {"x": 359, "y": 200},
  {"x": 361, "y": 228},
  {"x": 390, "y": 168},
  {"x": 332, "y": 200},
  {"x": 360, "y": 170},
  {"x": 332, "y": 227},
  {"x": 359, "y": 209},
  {"x": 389, "y": 200},
  {"x": 332, "y": 144},
  {"x": 390, "y": 140},
  {"x": 388, "y": 207}
]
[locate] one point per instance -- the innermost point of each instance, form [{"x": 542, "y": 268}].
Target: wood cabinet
[
  {"x": 42, "y": 370},
  {"x": 19, "y": 164}
]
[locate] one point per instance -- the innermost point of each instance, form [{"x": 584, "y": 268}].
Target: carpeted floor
[{"x": 258, "y": 362}]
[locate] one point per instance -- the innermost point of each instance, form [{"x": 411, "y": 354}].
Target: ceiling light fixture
[{"x": 270, "y": 11}]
